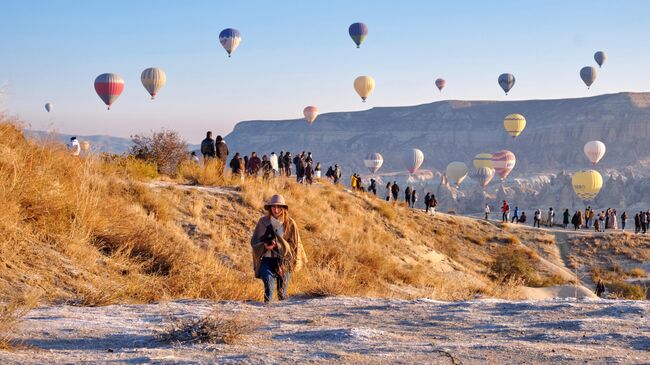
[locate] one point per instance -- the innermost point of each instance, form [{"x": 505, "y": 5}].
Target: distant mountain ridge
[
  {"x": 98, "y": 143},
  {"x": 456, "y": 130}
]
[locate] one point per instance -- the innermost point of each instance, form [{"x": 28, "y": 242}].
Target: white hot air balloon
[
  {"x": 310, "y": 112},
  {"x": 414, "y": 159},
  {"x": 373, "y": 162},
  {"x": 456, "y": 172},
  {"x": 595, "y": 150},
  {"x": 49, "y": 107},
  {"x": 153, "y": 79}
]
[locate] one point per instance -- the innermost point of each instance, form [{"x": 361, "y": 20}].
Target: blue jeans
[{"x": 270, "y": 278}]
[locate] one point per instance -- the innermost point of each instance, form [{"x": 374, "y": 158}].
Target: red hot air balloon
[{"x": 109, "y": 87}]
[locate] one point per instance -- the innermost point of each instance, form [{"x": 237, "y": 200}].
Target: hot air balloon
[
  {"x": 456, "y": 172},
  {"x": 440, "y": 84},
  {"x": 364, "y": 86},
  {"x": 587, "y": 184},
  {"x": 514, "y": 124},
  {"x": 229, "y": 39},
  {"x": 310, "y": 112},
  {"x": 109, "y": 87},
  {"x": 358, "y": 33},
  {"x": 373, "y": 162},
  {"x": 153, "y": 79},
  {"x": 48, "y": 107},
  {"x": 600, "y": 58},
  {"x": 482, "y": 160},
  {"x": 506, "y": 81},
  {"x": 483, "y": 175},
  {"x": 588, "y": 75},
  {"x": 85, "y": 146},
  {"x": 595, "y": 150},
  {"x": 414, "y": 159},
  {"x": 503, "y": 162}
]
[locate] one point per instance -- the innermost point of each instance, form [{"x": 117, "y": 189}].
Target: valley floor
[{"x": 349, "y": 330}]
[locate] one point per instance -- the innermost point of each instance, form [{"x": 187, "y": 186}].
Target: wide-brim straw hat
[{"x": 277, "y": 200}]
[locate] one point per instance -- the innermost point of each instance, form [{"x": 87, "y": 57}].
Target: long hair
[{"x": 284, "y": 216}]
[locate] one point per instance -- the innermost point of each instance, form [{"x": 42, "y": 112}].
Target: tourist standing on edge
[{"x": 208, "y": 149}]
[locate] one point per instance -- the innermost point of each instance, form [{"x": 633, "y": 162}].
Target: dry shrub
[
  {"x": 514, "y": 263},
  {"x": 625, "y": 290},
  {"x": 216, "y": 327},
  {"x": 637, "y": 272},
  {"x": 165, "y": 148},
  {"x": 210, "y": 174}
]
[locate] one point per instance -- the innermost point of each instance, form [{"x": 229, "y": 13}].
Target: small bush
[
  {"x": 622, "y": 289},
  {"x": 216, "y": 328},
  {"x": 165, "y": 148},
  {"x": 129, "y": 166},
  {"x": 514, "y": 263}
]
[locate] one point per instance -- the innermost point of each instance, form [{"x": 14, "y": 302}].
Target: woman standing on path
[
  {"x": 565, "y": 219},
  {"x": 277, "y": 249}
]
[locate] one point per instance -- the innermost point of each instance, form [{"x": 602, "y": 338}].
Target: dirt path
[{"x": 348, "y": 330}]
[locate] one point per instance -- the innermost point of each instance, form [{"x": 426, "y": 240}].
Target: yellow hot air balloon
[
  {"x": 587, "y": 184},
  {"x": 364, "y": 86},
  {"x": 483, "y": 160},
  {"x": 456, "y": 172},
  {"x": 514, "y": 124},
  {"x": 85, "y": 146}
]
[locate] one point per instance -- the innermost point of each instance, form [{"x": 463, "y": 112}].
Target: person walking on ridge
[
  {"x": 565, "y": 218},
  {"x": 515, "y": 216},
  {"x": 407, "y": 196},
  {"x": 550, "y": 219},
  {"x": 277, "y": 248},
  {"x": 487, "y": 212}
]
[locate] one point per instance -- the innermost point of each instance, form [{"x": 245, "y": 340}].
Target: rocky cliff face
[{"x": 454, "y": 130}]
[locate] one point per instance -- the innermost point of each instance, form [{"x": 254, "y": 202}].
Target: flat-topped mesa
[{"x": 455, "y": 130}]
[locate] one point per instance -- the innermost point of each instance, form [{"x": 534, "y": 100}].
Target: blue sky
[{"x": 298, "y": 53}]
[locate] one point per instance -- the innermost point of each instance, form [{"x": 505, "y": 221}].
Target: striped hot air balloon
[
  {"x": 503, "y": 163},
  {"x": 587, "y": 184},
  {"x": 482, "y": 160},
  {"x": 440, "y": 84},
  {"x": 229, "y": 39},
  {"x": 310, "y": 112},
  {"x": 373, "y": 162},
  {"x": 514, "y": 124},
  {"x": 506, "y": 81},
  {"x": 153, "y": 79},
  {"x": 109, "y": 87},
  {"x": 414, "y": 159},
  {"x": 358, "y": 32},
  {"x": 483, "y": 175}
]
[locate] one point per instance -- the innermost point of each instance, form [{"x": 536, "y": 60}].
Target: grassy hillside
[{"x": 87, "y": 231}]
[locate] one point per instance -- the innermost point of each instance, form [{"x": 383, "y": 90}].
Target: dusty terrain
[{"x": 350, "y": 330}]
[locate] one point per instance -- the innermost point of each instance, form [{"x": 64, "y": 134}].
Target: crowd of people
[{"x": 589, "y": 219}]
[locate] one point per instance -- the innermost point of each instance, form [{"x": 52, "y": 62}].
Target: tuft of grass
[
  {"x": 215, "y": 328},
  {"x": 625, "y": 290},
  {"x": 12, "y": 313},
  {"x": 386, "y": 210},
  {"x": 637, "y": 272},
  {"x": 209, "y": 174}
]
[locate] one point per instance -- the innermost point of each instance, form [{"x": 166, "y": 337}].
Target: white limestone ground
[{"x": 349, "y": 330}]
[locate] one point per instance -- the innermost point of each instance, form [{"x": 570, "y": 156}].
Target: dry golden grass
[
  {"x": 87, "y": 231},
  {"x": 210, "y": 174},
  {"x": 11, "y": 315}
]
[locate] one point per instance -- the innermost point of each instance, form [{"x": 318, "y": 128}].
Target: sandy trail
[{"x": 350, "y": 330}]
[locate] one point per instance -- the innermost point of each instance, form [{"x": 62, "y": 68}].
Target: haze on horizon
[{"x": 296, "y": 53}]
